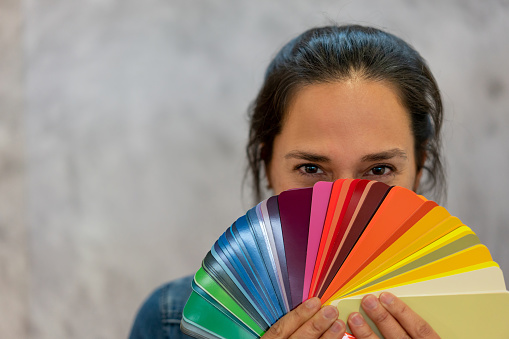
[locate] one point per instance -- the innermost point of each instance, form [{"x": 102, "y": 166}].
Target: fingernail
[
  {"x": 370, "y": 302},
  {"x": 386, "y": 298},
  {"x": 330, "y": 312},
  {"x": 357, "y": 319},
  {"x": 312, "y": 303},
  {"x": 337, "y": 327}
]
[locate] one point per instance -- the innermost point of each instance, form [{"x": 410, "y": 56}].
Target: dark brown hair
[{"x": 337, "y": 53}]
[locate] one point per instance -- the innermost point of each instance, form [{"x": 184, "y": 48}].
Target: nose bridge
[
  {"x": 345, "y": 163},
  {"x": 344, "y": 174}
]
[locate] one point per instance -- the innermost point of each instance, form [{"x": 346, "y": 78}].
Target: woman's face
[{"x": 352, "y": 129}]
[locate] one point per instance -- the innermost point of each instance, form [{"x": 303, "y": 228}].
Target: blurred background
[{"x": 122, "y": 132}]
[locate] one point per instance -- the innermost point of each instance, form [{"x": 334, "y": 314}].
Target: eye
[
  {"x": 380, "y": 170},
  {"x": 309, "y": 169}
]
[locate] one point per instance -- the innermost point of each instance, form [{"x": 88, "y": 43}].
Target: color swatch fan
[{"x": 340, "y": 241}]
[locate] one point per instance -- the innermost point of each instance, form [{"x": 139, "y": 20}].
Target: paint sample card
[
  {"x": 340, "y": 241},
  {"x": 465, "y": 316}
]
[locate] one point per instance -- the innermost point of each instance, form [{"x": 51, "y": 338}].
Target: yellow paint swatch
[{"x": 458, "y": 316}]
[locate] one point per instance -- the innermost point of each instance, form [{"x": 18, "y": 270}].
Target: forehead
[{"x": 347, "y": 114}]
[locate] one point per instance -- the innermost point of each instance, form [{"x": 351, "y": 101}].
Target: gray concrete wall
[
  {"x": 122, "y": 128},
  {"x": 14, "y": 249}
]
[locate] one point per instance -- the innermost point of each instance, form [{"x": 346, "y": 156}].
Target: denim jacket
[{"x": 159, "y": 317}]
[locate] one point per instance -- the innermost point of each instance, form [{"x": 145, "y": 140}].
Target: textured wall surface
[
  {"x": 14, "y": 257},
  {"x": 122, "y": 129}
]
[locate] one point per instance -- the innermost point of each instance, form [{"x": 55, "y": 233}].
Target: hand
[
  {"x": 308, "y": 321},
  {"x": 393, "y": 318}
]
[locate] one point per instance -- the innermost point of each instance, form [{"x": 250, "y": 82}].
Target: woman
[{"x": 337, "y": 102}]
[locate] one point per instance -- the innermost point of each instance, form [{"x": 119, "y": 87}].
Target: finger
[
  {"x": 414, "y": 325},
  {"x": 337, "y": 330},
  {"x": 360, "y": 329},
  {"x": 319, "y": 324},
  {"x": 292, "y": 321},
  {"x": 383, "y": 319}
]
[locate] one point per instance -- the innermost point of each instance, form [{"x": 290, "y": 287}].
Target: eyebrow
[
  {"x": 385, "y": 155},
  {"x": 313, "y": 157}
]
